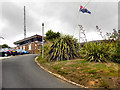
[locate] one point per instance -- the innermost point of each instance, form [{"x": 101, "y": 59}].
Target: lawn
[{"x": 89, "y": 74}]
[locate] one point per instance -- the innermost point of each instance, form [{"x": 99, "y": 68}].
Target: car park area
[{"x": 5, "y": 52}]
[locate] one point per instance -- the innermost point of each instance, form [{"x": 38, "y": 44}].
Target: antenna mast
[{"x": 24, "y": 24}]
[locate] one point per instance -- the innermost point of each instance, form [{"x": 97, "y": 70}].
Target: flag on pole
[{"x": 84, "y": 10}]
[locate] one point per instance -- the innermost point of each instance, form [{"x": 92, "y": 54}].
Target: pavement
[
  {"x": 23, "y": 72},
  {"x": 1, "y": 58}
]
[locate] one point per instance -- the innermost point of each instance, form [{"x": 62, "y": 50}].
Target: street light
[{"x": 42, "y": 40}]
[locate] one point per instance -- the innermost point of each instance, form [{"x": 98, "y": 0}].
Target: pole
[
  {"x": 42, "y": 40},
  {"x": 118, "y": 35},
  {"x": 24, "y": 24},
  {"x": 87, "y": 3},
  {"x": 79, "y": 25}
]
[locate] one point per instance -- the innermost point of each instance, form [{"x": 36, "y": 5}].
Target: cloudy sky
[{"x": 62, "y": 16}]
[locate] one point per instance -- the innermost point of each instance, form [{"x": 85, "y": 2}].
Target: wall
[{"x": 34, "y": 48}]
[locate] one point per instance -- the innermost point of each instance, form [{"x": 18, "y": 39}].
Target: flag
[{"x": 84, "y": 10}]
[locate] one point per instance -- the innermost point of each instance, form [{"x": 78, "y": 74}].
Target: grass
[{"x": 90, "y": 74}]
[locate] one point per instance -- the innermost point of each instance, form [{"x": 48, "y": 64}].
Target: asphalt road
[{"x": 23, "y": 72}]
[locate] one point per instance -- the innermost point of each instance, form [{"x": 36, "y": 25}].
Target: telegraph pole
[
  {"x": 24, "y": 23},
  {"x": 42, "y": 40}
]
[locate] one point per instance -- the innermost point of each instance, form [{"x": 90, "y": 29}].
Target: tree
[
  {"x": 50, "y": 35},
  {"x": 63, "y": 48},
  {"x": 5, "y": 46}
]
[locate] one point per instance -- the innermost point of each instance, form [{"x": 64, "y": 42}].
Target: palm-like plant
[
  {"x": 63, "y": 48},
  {"x": 98, "y": 52},
  {"x": 116, "y": 52}
]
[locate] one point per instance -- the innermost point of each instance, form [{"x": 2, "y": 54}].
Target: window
[
  {"x": 29, "y": 46},
  {"x": 35, "y": 46},
  {"x": 23, "y": 47}
]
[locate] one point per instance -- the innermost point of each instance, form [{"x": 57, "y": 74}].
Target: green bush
[
  {"x": 63, "y": 48},
  {"x": 46, "y": 49},
  {"x": 116, "y": 52},
  {"x": 51, "y": 36},
  {"x": 97, "y": 51}
]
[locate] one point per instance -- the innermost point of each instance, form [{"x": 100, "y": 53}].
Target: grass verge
[{"x": 89, "y": 74}]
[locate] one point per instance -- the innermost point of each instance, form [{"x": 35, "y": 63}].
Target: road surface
[{"x": 23, "y": 72}]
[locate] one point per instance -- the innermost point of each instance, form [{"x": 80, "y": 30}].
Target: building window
[
  {"x": 35, "y": 46},
  {"x": 23, "y": 47},
  {"x": 29, "y": 46}
]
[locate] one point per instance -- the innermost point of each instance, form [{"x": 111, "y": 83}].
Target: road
[{"x": 23, "y": 72}]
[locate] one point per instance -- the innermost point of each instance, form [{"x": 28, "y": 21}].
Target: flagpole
[
  {"x": 79, "y": 20},
  {"x": 87, "y": 3},
  {"x": 79, "y": 26}
]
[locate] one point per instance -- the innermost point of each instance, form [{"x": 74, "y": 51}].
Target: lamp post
[
  {"x": 118, "y": 34},
  {"x": 42, "y": 40}
]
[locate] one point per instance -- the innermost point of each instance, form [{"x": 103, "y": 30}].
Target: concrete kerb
[
  {"x": 57, "y": 75},
  {"x": 2, "y": 58}
]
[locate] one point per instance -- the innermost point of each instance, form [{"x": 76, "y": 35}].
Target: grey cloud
[
  {"x": 14, "y": 16},
  {"x": 119, "y": 15},
  {"x": 103, "y": 14}
]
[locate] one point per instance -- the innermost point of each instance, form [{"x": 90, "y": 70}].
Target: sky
[{"x": 60, "y": 16}]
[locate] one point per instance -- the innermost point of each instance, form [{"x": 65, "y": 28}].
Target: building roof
[{"x": 28, "y": 38}]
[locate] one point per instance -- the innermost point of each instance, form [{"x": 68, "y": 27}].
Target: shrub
[
  {"x": 97, "y": 51},
  {"x": 63, "y": 48},
  {"x": 50, "y": 35},
  {"x": 46, "y": 49},
  {"x": 116, "y": 52}
]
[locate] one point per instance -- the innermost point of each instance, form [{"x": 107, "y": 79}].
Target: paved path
[
  {"x": 1, "y": 58},
  {"x": 22, "y": 72}
]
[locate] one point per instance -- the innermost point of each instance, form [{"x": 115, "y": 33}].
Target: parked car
[
  {"x": 19, "y": 52},
  {"x": 13, "y": 52},
  {"x": 25, "y": 52},
  {"x": 3, "y": 52},
  {"x": 9, "y": 51}
]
